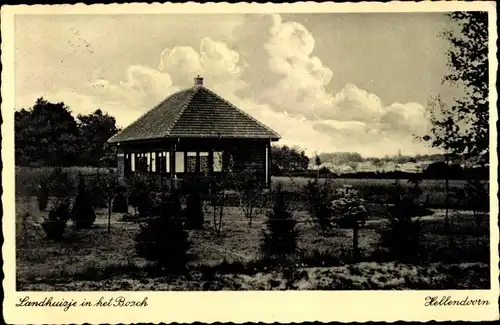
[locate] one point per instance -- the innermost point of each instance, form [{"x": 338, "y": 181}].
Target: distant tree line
[
  {"x": 285, "y": 160},
  {"x": 348, "y": 158},
  {"x": 47, "y": 134}
]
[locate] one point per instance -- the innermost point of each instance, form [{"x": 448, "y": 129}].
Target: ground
[{"x": 95, "y": 259}]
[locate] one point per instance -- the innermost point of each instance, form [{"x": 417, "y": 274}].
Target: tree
[
  {"x": 279, "y": 238},
  {"x": 317, "y": 162},
  {"x": 249, "y": 186},
  {"x": 95, "y": 130},
  {"x": 463, "y": 127},
  {"x": 46, "y": 134},
  {"x": 83, "y": 214},
  {"x": 318, "y": 198},
  {"x": 288, "y": 159},
  {"x": 162, "y": 238}
]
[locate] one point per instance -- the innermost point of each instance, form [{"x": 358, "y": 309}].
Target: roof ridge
[
  {"x": 243, "y": 112},
  {"x": 186, "y": 104},
  {"x": 158, "y": 106}
]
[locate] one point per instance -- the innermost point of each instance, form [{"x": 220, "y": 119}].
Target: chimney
[{"x": 198, "y": 81}]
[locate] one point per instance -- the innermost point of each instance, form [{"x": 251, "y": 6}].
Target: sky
[{"x": 343, "y": 82}]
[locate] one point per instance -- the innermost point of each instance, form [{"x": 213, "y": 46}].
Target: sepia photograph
[{"x": 253, "y": 151}]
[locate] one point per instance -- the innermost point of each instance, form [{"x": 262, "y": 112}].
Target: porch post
[
  {"x": 171, "y": 157},
  {"x": 120, "y": 163},
  {"x": 268, "y": 165}
]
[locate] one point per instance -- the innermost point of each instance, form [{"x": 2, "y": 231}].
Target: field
[{"x": 94, "y": 259}]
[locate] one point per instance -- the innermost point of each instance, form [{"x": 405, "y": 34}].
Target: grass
[{"x": 94, "y": 259}]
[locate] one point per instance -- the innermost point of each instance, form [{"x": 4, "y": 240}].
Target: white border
[{"x": 290, "y": 306}]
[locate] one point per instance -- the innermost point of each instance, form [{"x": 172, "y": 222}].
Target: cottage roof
[{"x": 195, "y": 112}]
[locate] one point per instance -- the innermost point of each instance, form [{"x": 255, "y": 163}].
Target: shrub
[
  {"x": 279, "y": 239},
  {"x": 120, "y": 203},
  {"x": 249, "y": 185},
  {"x": 133, "y": 199},
  {"x": 350, "y": 212},
  {"x": 194, "y": 211},
  {"x": 59, "y": 183},
  {"x": 55, "y": 224},
  {"x": 83, "y": 214},
  {"x": 43, "y": 196},
  {"x": 402, "y": 235},
  {"x": 319, "y": 204},
  {"x": 162, "y": 238}
]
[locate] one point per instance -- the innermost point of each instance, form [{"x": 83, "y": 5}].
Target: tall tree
[
  {"x": 462, "y": 127},
  {"x": 95, "y": 130}
]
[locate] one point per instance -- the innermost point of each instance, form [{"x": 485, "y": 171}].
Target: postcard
[{"x": 250, "y": 162}]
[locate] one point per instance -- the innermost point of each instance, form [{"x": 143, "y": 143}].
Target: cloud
[{"x": 269, "y": 70}]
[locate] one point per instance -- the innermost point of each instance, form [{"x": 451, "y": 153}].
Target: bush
[
  {"x": 280, "y": 236},
  {"x": 55, "y": 224},
  {"x": 350, "y": 212},
  {"x": 83, "y": 214},
  {"x": 43, "y": 196},
  {"x": 162, "y": 238},
  {"x": 319, "y": 204},
  {"x": 120, "y": 203},
  {"x": 59, "y": 183},
  {"x": 401, "y": 238},
  {"x": 194, "y": 211}
]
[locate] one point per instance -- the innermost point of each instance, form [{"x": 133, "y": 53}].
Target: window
[
  {"x": 132, "y": 162},
  {"x": 153, "y": 161},
  {"x": 166, "y": 162},
  {"x": 204, "y": 169},
  {"x": 148, "y": 161},
  {"x": 179, "y": 162},
  {"x": 162, "y": 162},
  {"x": 217, "y": 161},
  {"x": 191, "y": 162},
  {"x": 127, "y": 163}
]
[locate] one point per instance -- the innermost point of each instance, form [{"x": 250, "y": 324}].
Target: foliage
[
  {"x": 120, "y": 203},
  {"x": 162, "y": 238},
  {"x": 83, "y": 214},
  {"x": 249, "y": 187},
  {"x": 95, "y": 130},
  {"x": 318, "y": 198},
  {"x": 59, "y": 183},
  {"x": 350, "y": 212},
  {"x": 194, "y": 207},
  {"x": 55, "y": 224},
  {"x": 48, "y": 135},
  {"x": 279, "y": 239},
  {"x": 285, "y": 160},
  {"x": 43, "y": 196},
  {"x": 402, "y": 236},
  {"x": 463, "y": 127}
]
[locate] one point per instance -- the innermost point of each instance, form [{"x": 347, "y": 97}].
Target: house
[{"x": 194, "y": 132}]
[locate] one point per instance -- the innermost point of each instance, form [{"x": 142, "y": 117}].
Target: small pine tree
[
  {"x": 279, "y": 240},
  {"x": 162, "y": 238},
  {"x": 402, "y": 236},
  {"x": 319, "y": 204},
  {"x": 55, "y": 224},
  {"x": 83, "y": 214},
  {"x": 194, "y": 211}
]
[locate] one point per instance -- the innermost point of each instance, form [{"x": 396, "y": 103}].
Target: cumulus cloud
[{"x": 270, "y": 71}]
